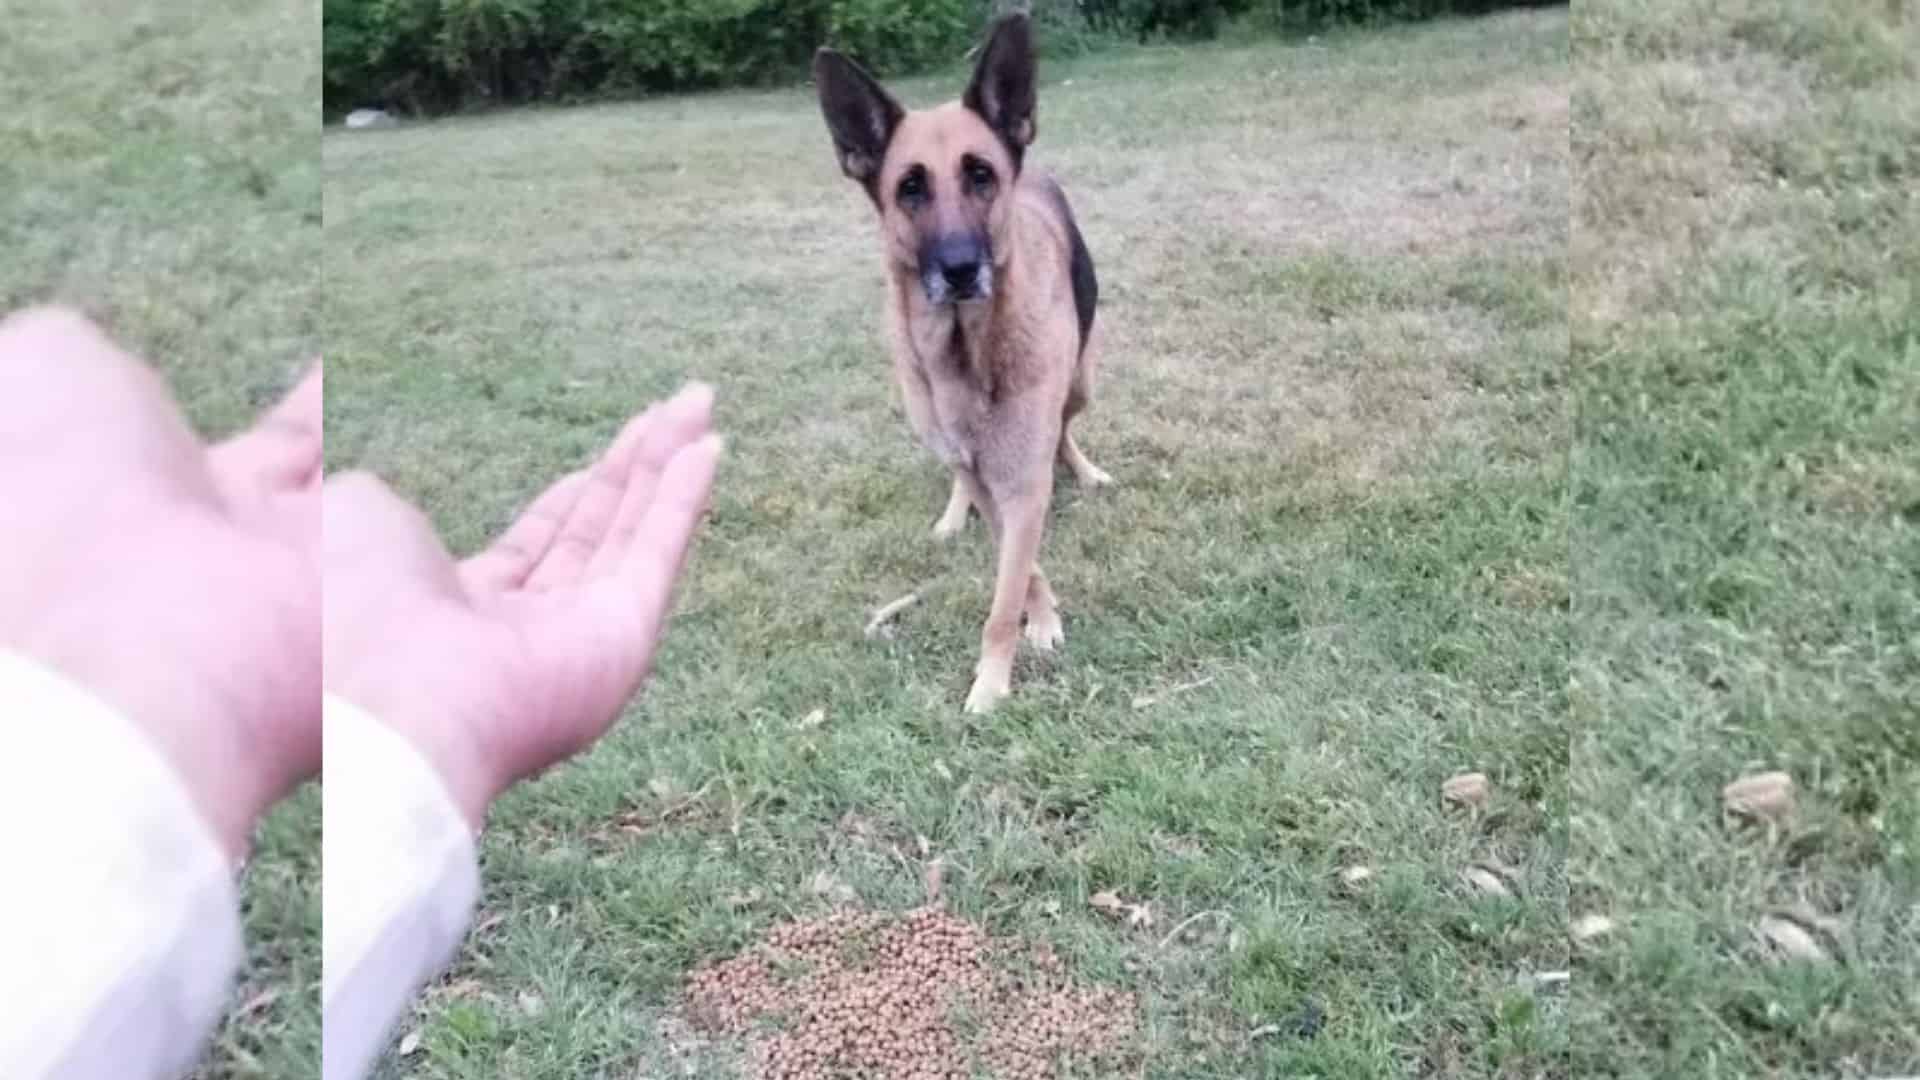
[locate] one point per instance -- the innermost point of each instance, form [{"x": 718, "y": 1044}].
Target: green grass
[
  {"x": 1335, "y": 282},
  {"x": 1746, "y": 360},
  {"x": 159, "y": 170}
]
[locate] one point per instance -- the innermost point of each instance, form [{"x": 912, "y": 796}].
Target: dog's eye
[
  {"x": 979, "y": 175},
  {"x": 913, "y": 187}
]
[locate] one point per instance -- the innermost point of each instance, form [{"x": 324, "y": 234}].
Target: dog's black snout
[{"x": 958, "y": 259}]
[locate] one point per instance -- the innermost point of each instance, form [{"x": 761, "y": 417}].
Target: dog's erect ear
[
  {"x": 860, "y": 114},
  {"x": 1002, "y": 87}
]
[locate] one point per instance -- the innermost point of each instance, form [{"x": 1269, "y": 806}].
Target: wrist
[
  {"x": 229, "y": 781},
  {"x": 463, "y": 769}
]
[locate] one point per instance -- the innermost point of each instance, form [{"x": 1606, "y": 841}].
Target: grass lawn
[
  {"x": 1746, "y": 550},
  {"x": 159, "y": 169},
  {"x": 1334, "y": 572}
]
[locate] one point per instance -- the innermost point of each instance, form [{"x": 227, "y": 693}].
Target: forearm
[
  {"x": 119, "y": 929},
  {"x": 399, "y": 888}
]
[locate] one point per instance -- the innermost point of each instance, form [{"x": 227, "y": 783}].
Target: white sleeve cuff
[
  {"x": 119, "y": 927},
  {"x": 398, "y": 887}
]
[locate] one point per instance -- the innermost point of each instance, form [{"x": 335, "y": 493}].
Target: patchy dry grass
[
  {"x": 159, "y": 169},
  {"x": 1334, "y": 571},
  {"x": 1746, "y": 530}
]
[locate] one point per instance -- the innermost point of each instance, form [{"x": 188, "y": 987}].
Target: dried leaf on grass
[
  {"x": 1470, "y": 790},
  {"x": 832, "y": 889},
  {"x": 1110, "y": 904},
  {"x": 1789, "y": 940},
  {"x": 1487, "y": 880},
  {"x": 934, "y": 878},
  {"x": 1763, "y": 797}
]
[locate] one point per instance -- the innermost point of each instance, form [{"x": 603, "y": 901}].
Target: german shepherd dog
[{"x": 990, "y": 310}]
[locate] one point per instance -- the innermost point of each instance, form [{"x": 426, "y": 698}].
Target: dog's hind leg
[
  {"x": 1079, "y": 394},
  {"x": 955, "y": 516},
  {"x": 1044, "y": 631},
  {"x": 1084, "y": 471}
]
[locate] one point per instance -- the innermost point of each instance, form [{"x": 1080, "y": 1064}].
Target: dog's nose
[{"x": 961, "y": 276}]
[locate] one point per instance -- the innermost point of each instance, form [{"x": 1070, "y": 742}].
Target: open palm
[{"x": 522, "y": 655}]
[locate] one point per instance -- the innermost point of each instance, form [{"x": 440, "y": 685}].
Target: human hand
[
  {"x": 177, "y": 582},
  {"x": 500, "y": 666}
]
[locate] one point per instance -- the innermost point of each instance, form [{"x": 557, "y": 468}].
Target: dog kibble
[{"x": 878, "y": 995}]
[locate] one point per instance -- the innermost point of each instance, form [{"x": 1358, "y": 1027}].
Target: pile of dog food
[{"x": 919, "y": 996}]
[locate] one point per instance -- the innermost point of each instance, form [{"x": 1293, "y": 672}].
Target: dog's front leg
[{"x": 1021, "y": 518}]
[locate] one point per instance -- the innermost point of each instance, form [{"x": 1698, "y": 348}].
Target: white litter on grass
[
  {"x": 1353, "y": 877},
  {"x": 1588, "y": 927},
  {"x": 370, "y": 118}
]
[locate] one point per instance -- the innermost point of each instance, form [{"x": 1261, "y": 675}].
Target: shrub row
[{"x": 431, "y": 55}]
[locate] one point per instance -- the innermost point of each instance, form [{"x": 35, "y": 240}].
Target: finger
[
  {"x": 68, "y": 391},
  {"x": 615, "y": 627},
  {"x": 593, "y": 516},
  {"x": 659, "y": 546},
  {"x": 507, "y": 561},
  {"x": 283, "y": 450},
  {"x": 685, "y": 419},
  {"x": 586, "y": 522}
]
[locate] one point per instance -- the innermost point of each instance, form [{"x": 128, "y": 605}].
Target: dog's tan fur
[{"x": 990, "y": 385}]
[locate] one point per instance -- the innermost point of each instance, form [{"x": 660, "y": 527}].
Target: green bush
[
  {"x": 423, "y": 55},
  {"x": 889, "y": 36},
  {"x": 430, "y": 55},
  {"x": 1149, "y": 19}
]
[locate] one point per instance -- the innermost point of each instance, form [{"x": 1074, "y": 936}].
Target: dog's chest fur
[
  {"x": 979, "y": 377},
  {"x": 971, "y": 360}
]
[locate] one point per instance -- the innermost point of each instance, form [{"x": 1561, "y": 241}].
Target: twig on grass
[
  {"x": 888, "y": 611},
  {"x": 1186, "y": 922},
  {"x": 1146, "y": 700}
]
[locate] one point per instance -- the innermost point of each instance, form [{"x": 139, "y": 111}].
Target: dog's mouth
[
  {"x": 957, "y": 267},
  {"x": 951, "y": 286}
]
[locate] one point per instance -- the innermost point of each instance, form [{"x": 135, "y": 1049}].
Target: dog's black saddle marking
[{"x": 1086, "y": 288}]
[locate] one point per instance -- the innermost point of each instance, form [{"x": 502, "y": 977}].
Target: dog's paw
[
  {"x": 1096, "y": 477},
  {"x": 949, "y": 527},
  {"x": 1044, "y": 631},
  {"x": 986, "y": 693}
]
